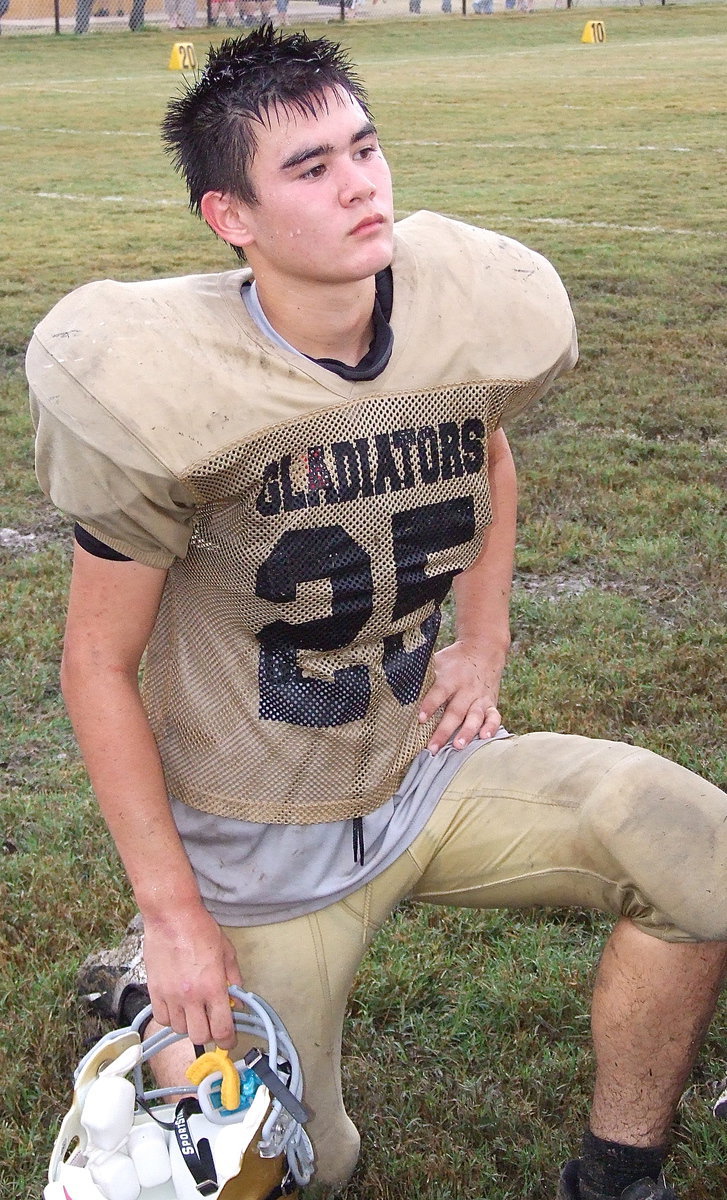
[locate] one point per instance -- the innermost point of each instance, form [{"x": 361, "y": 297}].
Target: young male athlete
[{"x": 278, "y": 473}]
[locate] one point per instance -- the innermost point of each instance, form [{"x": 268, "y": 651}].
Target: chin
[{"x": 378, "y": 259}]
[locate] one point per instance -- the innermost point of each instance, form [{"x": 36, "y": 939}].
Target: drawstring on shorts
[{"x": 359, "y": 850}]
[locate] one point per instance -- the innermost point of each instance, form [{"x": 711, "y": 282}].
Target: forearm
[
  {"x": 125, "y": 769},
  {"x": 468, "y": 672},
  {"x": 189, "y": 962},
  {"x": 482, "y": 593}
]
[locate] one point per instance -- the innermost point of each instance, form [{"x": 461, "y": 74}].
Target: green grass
[{"x": 466, "y": 1057}]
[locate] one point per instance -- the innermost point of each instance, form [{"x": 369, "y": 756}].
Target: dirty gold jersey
[{"x": 311, "y": 526}]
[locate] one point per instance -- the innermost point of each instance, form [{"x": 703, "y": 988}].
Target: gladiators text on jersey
[{"x": 371, "y": 466}]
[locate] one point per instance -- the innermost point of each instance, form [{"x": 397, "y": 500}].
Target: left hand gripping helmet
[{"x": 236, "y": 1135}]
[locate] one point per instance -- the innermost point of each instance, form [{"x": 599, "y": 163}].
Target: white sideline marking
[
  {"x": 134, "y": 133},
  {"x": 571, "y": 224},
  {"x": 104, "y": 132},
  {"x": 491, "y": 220},
  {"x": 132, "y": 201},
  {"x": 577, "y": 149},
  {"x": 716, "y": 39},
  {"x": 71, "y": 81}
]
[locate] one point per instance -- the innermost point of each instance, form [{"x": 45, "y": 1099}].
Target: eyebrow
[{"x": 303, "y": 156}]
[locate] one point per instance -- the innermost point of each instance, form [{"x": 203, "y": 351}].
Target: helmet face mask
[{"x": 257, "y": 1150}]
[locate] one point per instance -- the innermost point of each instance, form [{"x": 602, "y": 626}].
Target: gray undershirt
[
  {"x": 254, "y": 874},
  {"x": 255, "y": 309}
]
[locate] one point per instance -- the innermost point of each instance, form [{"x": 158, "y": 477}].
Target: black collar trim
[{"x": 378, "y": 354}]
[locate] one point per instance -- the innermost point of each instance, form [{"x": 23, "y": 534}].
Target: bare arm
[
  {"x": 468, "y": 672},
  {"x": 111, "y": 613}
]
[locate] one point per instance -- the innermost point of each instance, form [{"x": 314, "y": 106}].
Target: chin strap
[
  {"x": 197, "y": 1158},
  {"x": 286, "y": 1188},
  {"x": 258, "y": 1062}
]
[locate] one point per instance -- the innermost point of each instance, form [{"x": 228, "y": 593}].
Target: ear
[{"x": 228, "y": 216}]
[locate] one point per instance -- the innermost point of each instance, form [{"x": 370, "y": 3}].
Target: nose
[{"x": 355, "y": 183}]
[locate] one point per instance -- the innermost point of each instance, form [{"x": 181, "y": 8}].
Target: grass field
[{"x": 466, "y": 1059}]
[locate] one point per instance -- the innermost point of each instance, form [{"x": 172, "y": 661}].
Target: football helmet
[{"x": 237, "y": 1133}]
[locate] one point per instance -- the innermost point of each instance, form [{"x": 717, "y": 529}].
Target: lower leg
[
  {"x": 169, "y": 1066},
  {"x": 652, "y": 1004},
  {"x": 304, "y": 968}
]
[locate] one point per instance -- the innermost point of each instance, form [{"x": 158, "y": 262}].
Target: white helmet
[{"x": 123, "y": 1141}]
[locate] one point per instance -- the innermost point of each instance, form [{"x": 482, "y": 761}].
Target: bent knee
[{"x": 664, "y": 828}]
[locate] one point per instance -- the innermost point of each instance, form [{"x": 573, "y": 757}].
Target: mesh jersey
[{"x": 312, "y": 526}]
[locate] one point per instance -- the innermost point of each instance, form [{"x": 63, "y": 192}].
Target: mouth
[{"x": 369, "y": 224}]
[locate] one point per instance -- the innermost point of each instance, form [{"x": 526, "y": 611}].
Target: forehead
[{"x": 322, "y": 118}]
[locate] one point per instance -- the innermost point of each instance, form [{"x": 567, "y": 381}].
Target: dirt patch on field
[
  {"x": 50, "y": 529},
  {"x": 554, "y": 587}
]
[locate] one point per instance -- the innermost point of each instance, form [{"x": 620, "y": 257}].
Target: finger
[
  {"x": 177, "y": 1017},
  {"x": 221, "y": 1023},
  {"x": 436, "y": 697},
  {"x": 232, "y": 967},
  {"x": 470, "y": 728},
  {"x": 197, "y": 1025},
  {"x": 491, "y": 724},
  {"x": 451, "y": 720},
  {"x": 160, "y": 1012}
]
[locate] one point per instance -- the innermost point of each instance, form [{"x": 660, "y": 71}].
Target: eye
[
  {"x": 314, "y": 172},
  {"x": 366, "y": 152}
]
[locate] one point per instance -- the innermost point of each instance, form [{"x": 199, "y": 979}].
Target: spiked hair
[{"x": 210, "y": 130}]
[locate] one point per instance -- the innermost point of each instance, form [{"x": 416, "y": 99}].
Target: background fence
[{"x": 84, "y": 16}]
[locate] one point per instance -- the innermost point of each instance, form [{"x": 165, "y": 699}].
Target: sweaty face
[{"x": 325, "y": 206}]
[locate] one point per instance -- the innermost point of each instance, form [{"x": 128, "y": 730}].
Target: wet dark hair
[{"x": 210, "y": 130}]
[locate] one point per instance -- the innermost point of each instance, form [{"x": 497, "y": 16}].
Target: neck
[{"x": 322, "y": 321}]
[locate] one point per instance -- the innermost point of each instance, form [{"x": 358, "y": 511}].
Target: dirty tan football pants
[{"x": 542, "y": 819}]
